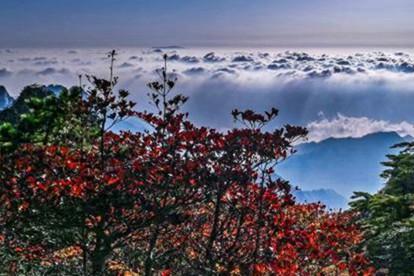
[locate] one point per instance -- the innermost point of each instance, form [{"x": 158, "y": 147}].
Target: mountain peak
[
  {"x": 328, "y": 197},
  {"x": 19, "y": 106},
  {"x": 374, "y": 135},
  {"x": 391, "y": 134},
  {"x": 408, "y": 138},
  {"x": 56, "y": 89},
  {"x": 5, "y": 99},
  {"x": 342, "y": 164}
]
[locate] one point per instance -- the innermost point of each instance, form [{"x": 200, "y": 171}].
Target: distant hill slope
[
  {"x": 5, "y": 99},
  {"x": 328, "y": 197},
  {"x": 343, "y": 165},
  {"x": 19, "y": 106},
  {"x": 14, "y": 108},
  {"x": 131, "y": 124}
]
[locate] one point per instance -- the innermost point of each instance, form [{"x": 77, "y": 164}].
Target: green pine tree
[{"x": 388, "y": 216}]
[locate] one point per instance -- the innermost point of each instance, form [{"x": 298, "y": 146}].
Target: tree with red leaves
[{"x": 177, "y": 200}]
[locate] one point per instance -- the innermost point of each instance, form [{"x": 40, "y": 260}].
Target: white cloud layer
[
  {"x": 342, "y": 126},
  {"x": 260, "y": 67},
  {"x": 373, "y": 88}
]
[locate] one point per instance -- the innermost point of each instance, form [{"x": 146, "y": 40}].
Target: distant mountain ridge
[
  {"x": 19, "y": 106},
  {"x": 11, "y": 113},
  {"x": 344, "y": 165},
  {"x": 5, "y": 99},
  {"x": 328, "y": 197}
]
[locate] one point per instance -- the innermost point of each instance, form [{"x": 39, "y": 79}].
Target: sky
[{"x": 109, "y": 23}]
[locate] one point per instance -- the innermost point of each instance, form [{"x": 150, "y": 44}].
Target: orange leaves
[
  {"x": 68, "y": 253},
  {"x": 24, "y": 206},
  {"x": 70, "y": 164},
  {"x": 166, "y": 272},
  {"x": 211, "y": 199},
  {"x": 76, "y": 190},
  {"x": 369, "y": 272},
  {"x": 342, "y": 266},
  {"x": 30, "y": 252},
  {"x": 41, "y": 186},
  {"x": 113, "y": 180},
  {"x": 259, "y": 269}
]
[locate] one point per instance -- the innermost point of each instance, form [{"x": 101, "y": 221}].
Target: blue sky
[{"x": 60, "y": 23}]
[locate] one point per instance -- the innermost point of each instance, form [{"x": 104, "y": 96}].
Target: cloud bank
[
  {"x": 342, "y": 126},
  {"x": 375, "y": 89}
]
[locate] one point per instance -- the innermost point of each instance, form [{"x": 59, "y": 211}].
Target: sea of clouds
[{"x": 334, "y": 92}]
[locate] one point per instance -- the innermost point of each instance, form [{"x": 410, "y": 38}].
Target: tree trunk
[
  {"x": 98, "y": 262},
  {"x": 100, "y": 254},
  {"x": 148, "y": 259},
  {"x": 214, "y": 228}
]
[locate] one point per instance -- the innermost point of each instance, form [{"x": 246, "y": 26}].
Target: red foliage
[
  {"x": 173, "y": 185},
  {"x": 188, "y": 199}
]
